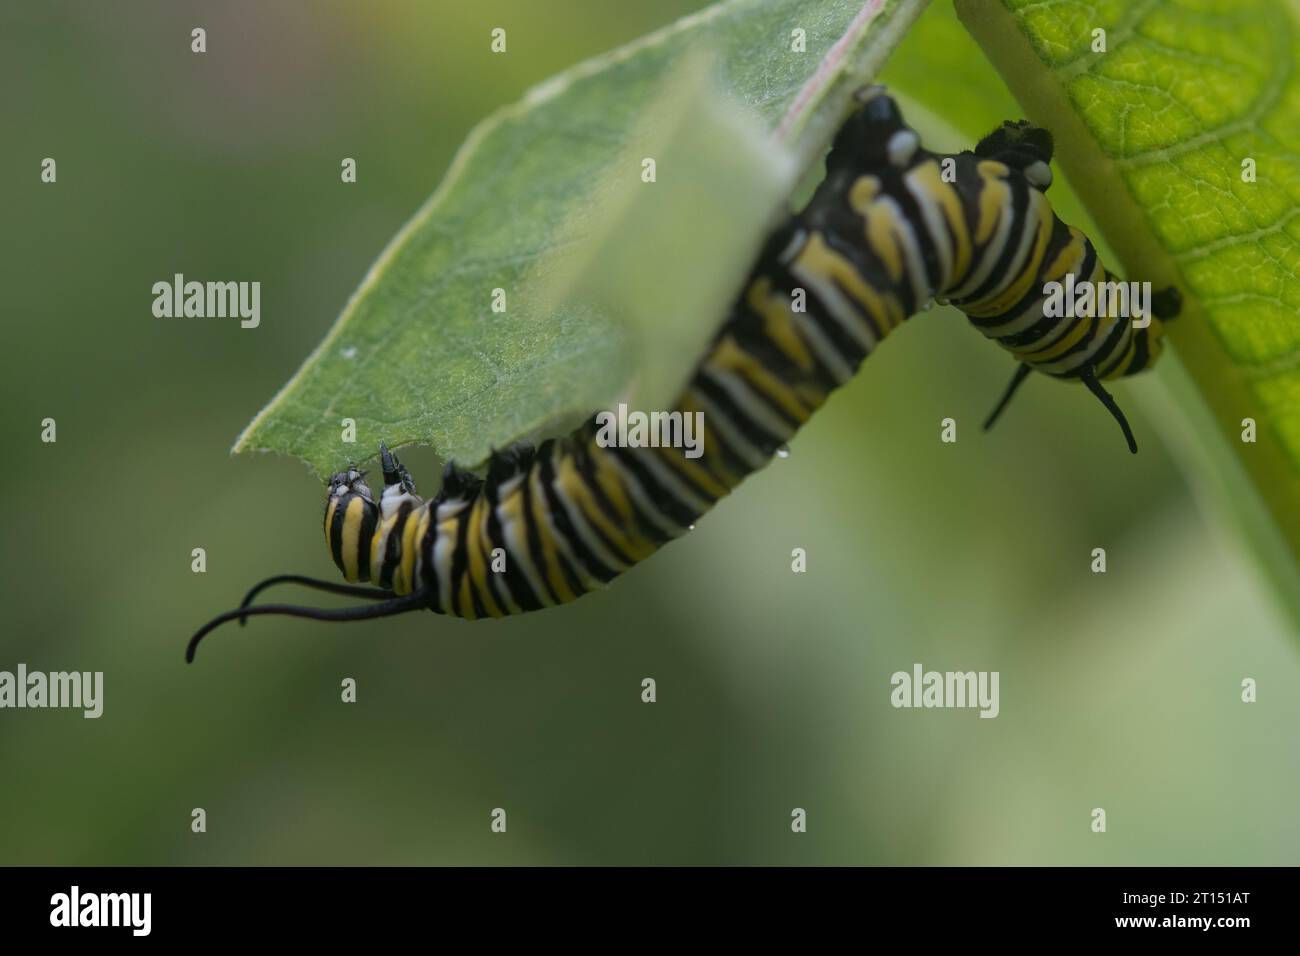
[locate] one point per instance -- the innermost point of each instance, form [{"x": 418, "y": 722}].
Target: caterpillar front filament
[{"x": 891, "y": 227}]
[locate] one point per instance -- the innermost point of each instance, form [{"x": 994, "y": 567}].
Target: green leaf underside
[
  {"x": 1152, "y": 134},
  {"x": 419, "y": 356}
]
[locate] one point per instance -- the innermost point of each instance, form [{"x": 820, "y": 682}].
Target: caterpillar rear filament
[{"x": 891, "y": 227}]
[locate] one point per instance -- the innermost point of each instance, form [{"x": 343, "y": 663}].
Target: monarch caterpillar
[{"x": 891, "y": 226}]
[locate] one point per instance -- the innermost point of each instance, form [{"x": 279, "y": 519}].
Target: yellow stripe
[
  {"x": 574, "y": 487},
  {"x": 992, "y": 197},
  {"x": 729, "y": 355},
  {"x": 608, "y": 479},
  {"x": 1069, "y": 257},
  {"x": 863, "y": 193},
  {"x": 693, "y": 469},
  {"x": 821, "y": 259},
  {"x": 352, "y": 537},
  {"x": 447, "y": 529},
  {"x": 778, "y": 323},
  {"x": 550, "y": 555},
  {"x": 1130, "y": 353},
  {"x": 1062, "y": 345},
  {"x": 377, "y": 542},
  {"x": 1020, "y": 287},
  {"x": 329, "y": 522},
  {"x": 511, "y": 511},
  {"x": 930, "y": 178},
  {"x": 478, "y": 567},
  {"x": 882, "y": 224},
  {"x": 404, "y": 573},
  {"x": 712, "y": 458}
]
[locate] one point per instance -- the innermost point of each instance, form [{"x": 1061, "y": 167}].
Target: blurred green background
[{"x": 1119, "y": 690}]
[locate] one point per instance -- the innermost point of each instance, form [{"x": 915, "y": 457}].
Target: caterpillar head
[
  {"x": 349, "y": 482},
  {"x": 350, "y": 518},
  {"x": 1022, "y": 146},
  {"x": 874, "y": 135}
]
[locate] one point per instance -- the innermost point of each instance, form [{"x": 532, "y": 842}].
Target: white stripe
[
  {"x": 666, "y": 479},
  {"x": 912, "y": 252},
  {"x": 496, "y": 581},
  {"x": 992, "y": 252},
  {"x": 443, "y": 547},
  {"x": 516, "y": 535},
  {"x": 641, "y": 499},
  {"x": 1081, "y": 356},
  {"x": 830, "y": 356},
  {"x": 585, "y": 530},
  {"x": 840, "y": 307},
  {"x": 815, "y": 337},
  {"x": 1034, "y": 310},
  {"x": 1027, "y": 238},
  {"x": 1019, "y": 322},
  {"x": 1121, "y": 349},
  {"x": 417, "y": 566},
  {"x": 793, "y": 247},
  {"x": 936, "y": 224},
  {"x": 749, "y": 403},
  {"x": 588, "y": 582},
  {"x": 377, "y": 554},
  {"x": 752, "y": 456},
  {"x": 392, "y": 499}
]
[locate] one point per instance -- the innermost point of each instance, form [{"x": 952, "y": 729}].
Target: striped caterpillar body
[{"x": 891, "y": 227}]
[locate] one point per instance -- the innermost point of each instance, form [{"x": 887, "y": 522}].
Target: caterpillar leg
[
  {"x": 1089, "y": 378},
  {"x": 1022, "y": 373}
]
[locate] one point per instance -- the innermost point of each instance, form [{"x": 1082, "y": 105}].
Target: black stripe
[
  {"x": 1141, "y": 350},
  {"x": 489, "y": 576},
  {"x": 843, "y": 231},
  {"x": 564, "y": 527},
  {"x": 676, "y": 510},
  {"x": 762, "y": 395},
  {"x": 393, "y": 546},
  {"x": 336, "y": 530},
  {"x": 731, "y": 457},
  {"x": 1059, "y": 240},
  {"x": 757, "y": 435},
  {"x": 1077, "y": 347},
  {"x": 1105, "y": 351},
  {"x": 562, "y": 563},
  {"x": 460, "y": 563},
  {"x": 894, "y": 186},
  {"x": 849, "y": 348},
  {"x": 1047, "y": 323},
  {"x": 749, "y": 329},
  {"x": 820, "y": 376},
  {"x": 428, "y": 546},
  {"x": 841, "y": 341},
  {"x": 578, "y": 456},
  {"x": 533, "y": 535},
  {"x": 516, "y": 582},
  {"x": 1019, "y": 222},
  {"x": 871, "y": 270},
  {"x": 369, "y": 519},
  {"x": 586, "y": 449}
]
